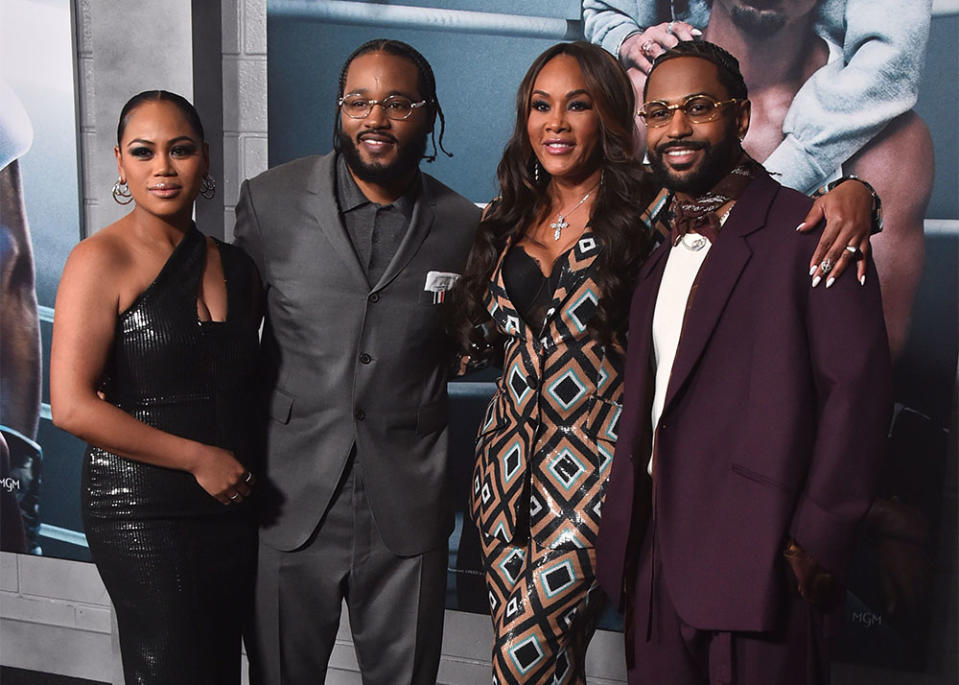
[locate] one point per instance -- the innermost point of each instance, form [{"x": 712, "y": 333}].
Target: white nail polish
[
  {"x": 812, "y": 269},
  {"x": 830, "y": 281},
  {"x": 801, "y": 226},
  {"x": 696, "y": 32},
  {"x": 815, "y": 281},
  {"x": 862, "y": 280}
]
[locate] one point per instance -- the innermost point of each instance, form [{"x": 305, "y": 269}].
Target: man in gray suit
[{"x": 356, "y": 250}]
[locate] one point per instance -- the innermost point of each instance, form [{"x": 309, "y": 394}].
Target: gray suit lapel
[{"x": 320, "y": 202}]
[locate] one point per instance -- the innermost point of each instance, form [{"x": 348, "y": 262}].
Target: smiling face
[
  {"x": 162, "y": 159},
  {"x": 563, "y": 125},
  {"x": 378, "y": 149},
  {"x": 686, "y": 157}
]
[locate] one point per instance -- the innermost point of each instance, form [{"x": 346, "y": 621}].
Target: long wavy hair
[{"x": 623, "y": 194}]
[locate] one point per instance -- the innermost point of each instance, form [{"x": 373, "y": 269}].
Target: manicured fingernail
[
  {"x": 696, "y": 32},
  {"x": 812, "y": 269},
  {"x": 830, "y": 281},
  {"x": 815, "y": 281},
  {"x": 862, "y": 280},
  {"x": 801, "y": 226}
]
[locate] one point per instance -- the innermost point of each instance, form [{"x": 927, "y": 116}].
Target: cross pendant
[{"x": 558, "y": 226}]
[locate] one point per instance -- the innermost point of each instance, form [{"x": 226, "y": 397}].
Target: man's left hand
[{"x": 816, "y": 585}]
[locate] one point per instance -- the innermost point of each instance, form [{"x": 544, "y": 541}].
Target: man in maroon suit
[{"x": 755, "y": 410}]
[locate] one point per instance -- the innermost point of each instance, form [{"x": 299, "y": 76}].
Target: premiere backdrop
[{"x": 479, "y": 51}]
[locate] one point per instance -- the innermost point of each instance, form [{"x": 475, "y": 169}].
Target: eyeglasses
[
  {"x": 698, "y": 109},
  {"x": 396, "y": 107}
]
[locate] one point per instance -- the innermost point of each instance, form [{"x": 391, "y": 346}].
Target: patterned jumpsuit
[{"x": 542, "y": 460}]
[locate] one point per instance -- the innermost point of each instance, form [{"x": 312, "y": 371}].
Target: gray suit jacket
[{"x": 345, "y": 362}]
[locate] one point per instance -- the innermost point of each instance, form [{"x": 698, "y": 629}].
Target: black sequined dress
[{"x": 177, "y": 564}]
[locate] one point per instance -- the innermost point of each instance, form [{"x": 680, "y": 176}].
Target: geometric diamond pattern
[
  {"x": 512, "y": 462},
  {"x": 567, "y": 468},
  {"x": 513, "y": 564},
  {"x": 586, "y": 245},
  {"x": 517, "y": 383},
  {"x": 543, "y": 456},
  {"x": 557, "y": 578},
  {"x": 526, "y": 654},
  {"x": 545, "y": 611},
  {"x": 567, "y": 389},
  {"x": 582, "y": 310}
]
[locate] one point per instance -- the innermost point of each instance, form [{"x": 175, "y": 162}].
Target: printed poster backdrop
[
  {"x": 479, "y": 60},
  {"x": 39, "y": 204}
]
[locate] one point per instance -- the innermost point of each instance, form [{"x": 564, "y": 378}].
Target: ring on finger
[
  {"x": 248, "y": 477},
  {"x": 826, "y": 265},
  {"x": 669, "y": 27},
  {"x": 235, "y": 497}
]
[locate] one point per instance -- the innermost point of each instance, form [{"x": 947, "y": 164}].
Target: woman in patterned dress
[{"x": 551, "y": 271}]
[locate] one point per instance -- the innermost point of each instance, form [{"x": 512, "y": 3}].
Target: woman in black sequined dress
[{"x": 153, "y": 362}]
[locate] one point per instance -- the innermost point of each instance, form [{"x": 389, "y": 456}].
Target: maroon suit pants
[{"x": 676, "y": 653}]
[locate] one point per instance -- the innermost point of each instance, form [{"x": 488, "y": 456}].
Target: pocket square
[{"x": 438, "y": 283}]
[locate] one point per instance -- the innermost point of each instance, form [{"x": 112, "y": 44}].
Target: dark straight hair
[{"x": 181, "y": 103}]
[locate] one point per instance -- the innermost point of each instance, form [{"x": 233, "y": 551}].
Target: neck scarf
[{"x": 699, "y": 214}]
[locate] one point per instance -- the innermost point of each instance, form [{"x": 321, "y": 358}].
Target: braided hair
[
  {"x": 427, "y": 85},
  {"x": 728, "y": 66}
]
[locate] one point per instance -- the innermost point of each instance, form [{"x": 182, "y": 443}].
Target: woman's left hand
[
  {"x": 847, "y": 211},
  {"x": 640, "y": 50}
]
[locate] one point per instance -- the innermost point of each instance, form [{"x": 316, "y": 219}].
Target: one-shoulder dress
[{"x": 178, "y": 564}]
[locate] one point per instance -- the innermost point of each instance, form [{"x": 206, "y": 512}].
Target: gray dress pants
[{"x": 395, "y": 603}]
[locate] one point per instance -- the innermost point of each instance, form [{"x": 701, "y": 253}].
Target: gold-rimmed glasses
[{"x": 698, "y": 109}]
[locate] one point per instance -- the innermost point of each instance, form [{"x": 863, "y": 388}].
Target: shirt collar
[{"x": 350, "y": 197}]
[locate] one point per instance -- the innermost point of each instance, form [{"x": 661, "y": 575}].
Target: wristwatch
[{"x": 876, "y": 202}]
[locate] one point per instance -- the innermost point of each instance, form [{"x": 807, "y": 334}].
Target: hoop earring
[
  {"x": 121, "y": 190},
  {"x": 208, "y": 187}
]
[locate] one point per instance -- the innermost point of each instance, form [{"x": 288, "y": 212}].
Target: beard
[
  {"x": 761, "y": 23},
  {"x": 718, "y": 160},
  {"x": 407, "y": 159}
]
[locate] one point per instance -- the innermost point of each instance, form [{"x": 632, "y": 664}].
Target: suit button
[
  {"x": 359, "y": 414},
  {"x": 365, "y": 358},
  {"x": 374, "y": 298}
]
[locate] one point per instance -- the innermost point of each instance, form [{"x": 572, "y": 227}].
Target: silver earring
[
  {"x": 208, "y": 187},
  {"x": 536, "y": 171},
  {"x": 121, "y": 192}
]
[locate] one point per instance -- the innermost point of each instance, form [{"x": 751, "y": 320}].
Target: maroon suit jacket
[{"x": 773, "y": 425}]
